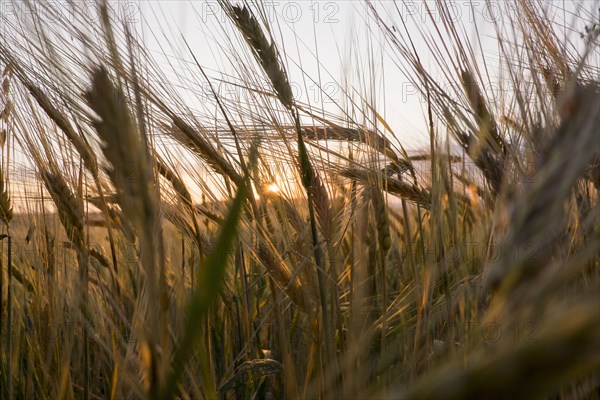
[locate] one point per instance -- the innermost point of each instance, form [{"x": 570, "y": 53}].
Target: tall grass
[{"x": 468, "y": 270}]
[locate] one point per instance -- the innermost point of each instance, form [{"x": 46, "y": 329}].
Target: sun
[{"x": 272, "y": 188}]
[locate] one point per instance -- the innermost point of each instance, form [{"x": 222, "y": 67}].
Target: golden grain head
[
  {"x": 322, "y": 206},
  {"x": 70, "y": 211},
  {"x": 191, "y": 138},
  {"x": 265, "y": 53},
  {"x": 59, "y": 118}
]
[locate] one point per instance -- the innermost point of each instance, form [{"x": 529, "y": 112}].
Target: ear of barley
[
  {"x": 175, "y": 216},
  {"x": 5, "y": 86},
  {"x": 395, "y": 186},
  {"x": 6, "y": 110},
  {"x": 184, "y": 195},
  {"x": 537, "y": 211},
  {"x": 369, "y": 138},
  {"x": 84, "y": 150},
  {"x": 288, "y": 282},
  {"x": 132, "y": 175},
  {"x": 322, "y": 206},
  {"x": 5, "y": 91},
  {"x": 6, "y": 74},
  {"x": 264, "y": 52},
  {"x": 487, "y": 124},
  {"x": 306, "y": 169},
  {"x": 98, "y": 254},
  {"x": 381, "y": 218},
  {"x": 116, "y": 216},
  {"x": 70, "y": 212},
  {"x": 552, "y": 81},
  {"x": 259, "y": 368},
  {"x": 176, "y": 182},
  {"x": 266, "y": 55},
  {"x": 489, "y": 163},
  {"x": 189, "y": 137},
  {"x": 129, "y": 168}
]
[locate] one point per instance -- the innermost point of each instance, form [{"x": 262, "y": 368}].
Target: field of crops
[{"x": 264, "y": 247}]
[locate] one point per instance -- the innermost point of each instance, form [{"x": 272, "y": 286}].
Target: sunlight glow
[{"x": 272, "y": 188}]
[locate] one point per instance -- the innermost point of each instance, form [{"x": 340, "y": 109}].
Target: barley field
[{"x": 163, "y": 240}]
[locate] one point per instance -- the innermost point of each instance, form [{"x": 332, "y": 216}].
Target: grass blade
[{"x": 210, "y": 281}]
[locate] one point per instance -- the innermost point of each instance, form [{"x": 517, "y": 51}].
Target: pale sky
[
  {"x": 340, "y": 33},
  {"x": 350, "y": 48}
]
